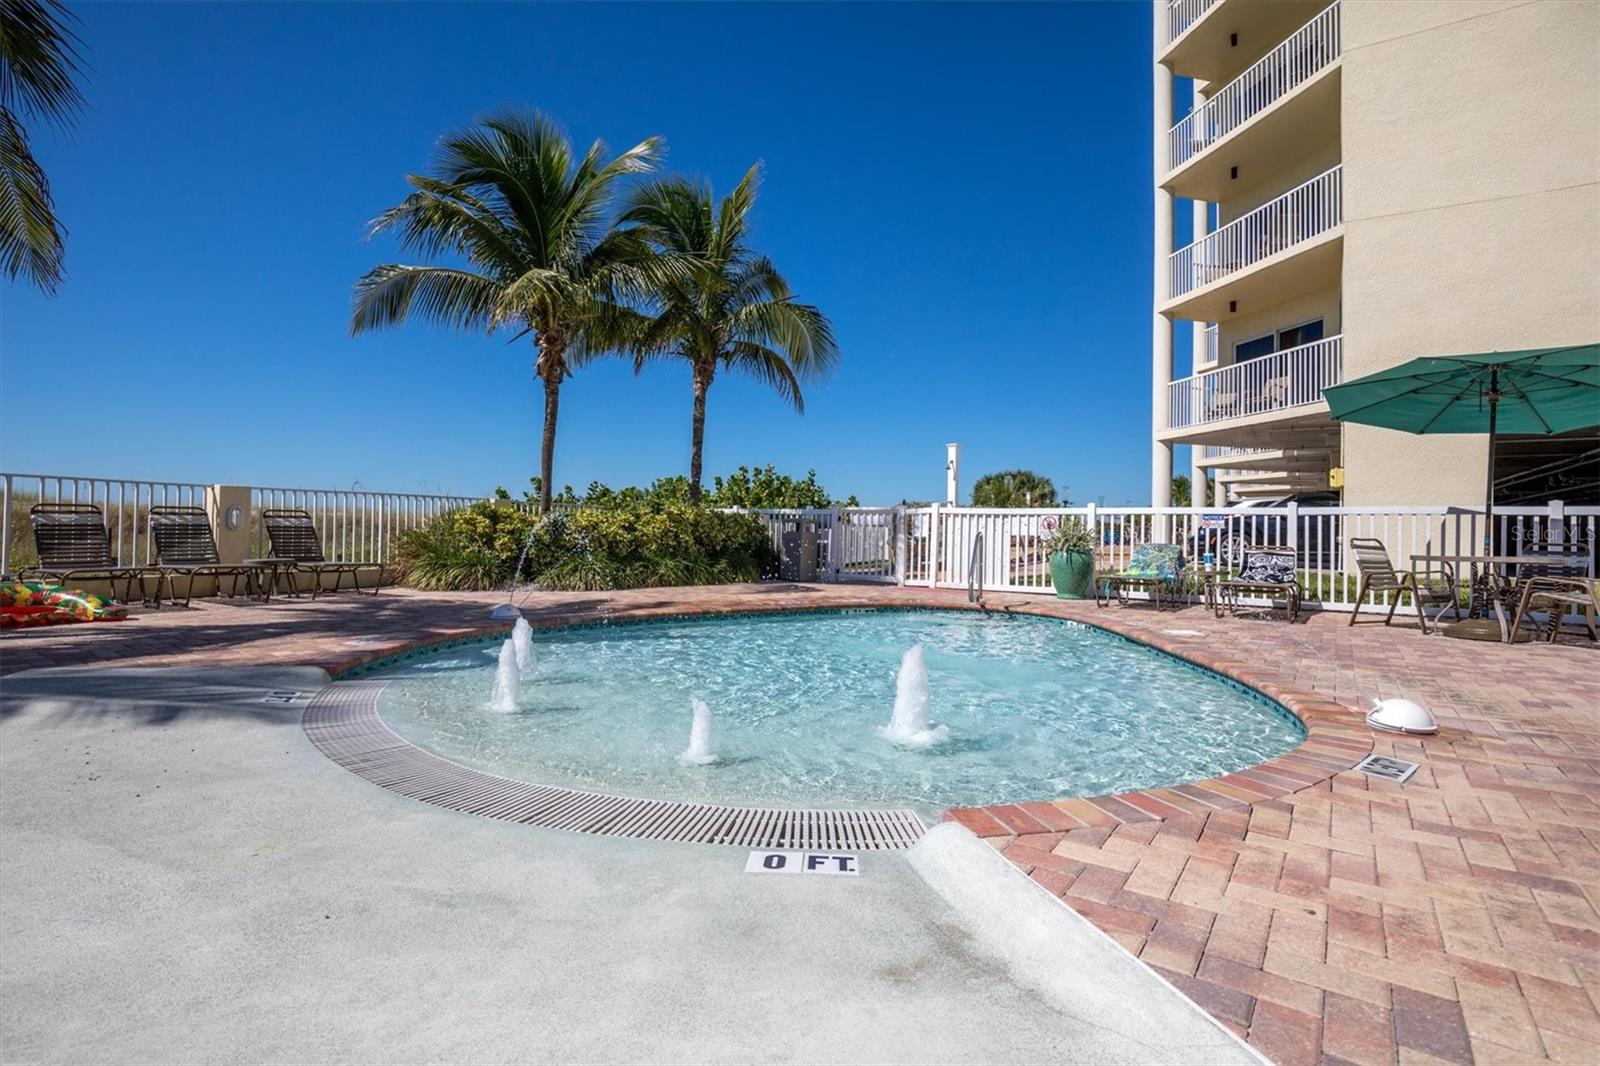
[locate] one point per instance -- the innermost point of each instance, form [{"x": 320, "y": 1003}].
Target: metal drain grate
[
  {"x": 1382, "y": 766},
  {"x": 342, "y": 721}
]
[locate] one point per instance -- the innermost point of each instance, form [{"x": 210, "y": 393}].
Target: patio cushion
[
  {"x": 1162, "y": 561},
  {"x": 1268, "y": 568}
]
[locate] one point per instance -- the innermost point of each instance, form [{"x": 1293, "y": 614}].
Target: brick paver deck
[{"x": 1324, "y": 915}]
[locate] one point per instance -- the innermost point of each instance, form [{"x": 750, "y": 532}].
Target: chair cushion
[
  {"x": 1162, "y": 561},
  {"x": 1267, "y": 568}
]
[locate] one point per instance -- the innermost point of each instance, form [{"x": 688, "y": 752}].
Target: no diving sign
[{"x": 802, "y": 862}]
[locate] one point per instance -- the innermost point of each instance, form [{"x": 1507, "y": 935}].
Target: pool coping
[{"x": 1336, "y": 735}]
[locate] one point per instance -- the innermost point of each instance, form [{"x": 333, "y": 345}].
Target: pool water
[{"x": 1036, "y": 708}]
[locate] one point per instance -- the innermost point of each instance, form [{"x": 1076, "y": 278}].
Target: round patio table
[{"x": 1487, "y": 581}]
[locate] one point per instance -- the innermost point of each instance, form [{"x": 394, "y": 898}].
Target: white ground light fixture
[{"x": 1401, "y": 716}]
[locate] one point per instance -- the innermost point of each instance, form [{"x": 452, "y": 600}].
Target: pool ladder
[{"x": 975, "y": 570}]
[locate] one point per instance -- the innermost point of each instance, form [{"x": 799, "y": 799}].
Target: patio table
[{"x": 268, "y": 572}]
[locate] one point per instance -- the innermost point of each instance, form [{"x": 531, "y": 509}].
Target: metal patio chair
[
  {"x": 185, "y": 546},
  {"x": 72, "y": 542},
  {"x": 1268, "y": 571},
  {"x": 293, "y": 536},
  {"x": 1378, "y": 576}
]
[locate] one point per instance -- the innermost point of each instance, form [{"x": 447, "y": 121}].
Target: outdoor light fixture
[
  {"x": 1401, "y": 716},
  {"x": 233, "y": 518},
  {"x": 1233, "y": 305}
]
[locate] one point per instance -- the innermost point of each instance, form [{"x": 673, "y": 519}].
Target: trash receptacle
[{"x": 799, "y": 558}]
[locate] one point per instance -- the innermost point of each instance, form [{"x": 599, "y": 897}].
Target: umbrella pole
[{"x": 1488, "y": 495}]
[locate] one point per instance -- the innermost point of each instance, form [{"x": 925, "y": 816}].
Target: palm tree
[
  {"x": 734, "y": 311},
  {"x": 530, "y": 220},
  {"x": 1014, "y": 488},
  {"x": 38, "y": 58}
]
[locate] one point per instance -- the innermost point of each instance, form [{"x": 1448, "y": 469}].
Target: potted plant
[{"x": 1071, "y": 549}]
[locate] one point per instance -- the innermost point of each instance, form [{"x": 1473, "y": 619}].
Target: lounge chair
[
  {"x": 72, "y": 542},
  {"x": 293, "y": 536},
  {"x": 1379, "y": 576},
  {"x": 1155, "y": 568},
  {"x": 1267, "y": 571},
  {"x": 185, "y": 546}
]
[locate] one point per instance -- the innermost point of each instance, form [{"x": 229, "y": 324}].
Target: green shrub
[{"x": 638, "y": 545}]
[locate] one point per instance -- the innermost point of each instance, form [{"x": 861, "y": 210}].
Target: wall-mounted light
[
  {"x": 1233, "y": 305},
  {"x": 1233, "y": 172},
  {"x": 233, "y": 518},
  {"x": 1233, "y": 40}
]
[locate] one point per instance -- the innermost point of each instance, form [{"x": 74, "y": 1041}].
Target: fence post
[
  {"x": 1294, "y": 527},
  {"x": 5, "y": 528},
  {"x": 229, "y": 507},
  {"x": 933, "y": 548},
  {"x": 900, "y": 538},
  {"x": 835, "y": 545},
  {"x": 1555, "y": 528}
]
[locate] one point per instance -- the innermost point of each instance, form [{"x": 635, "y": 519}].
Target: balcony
[
  {"x": 1256, "y": 391},
  {"x": 1286, "y": 105},
  {"x": 1213, "y": 40},
  {"x": 1285, "y": 246}
]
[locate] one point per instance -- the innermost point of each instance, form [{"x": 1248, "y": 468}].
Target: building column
[
  {"x": 1202, "y": 354},
  {"x": 1161, "y": 326}
]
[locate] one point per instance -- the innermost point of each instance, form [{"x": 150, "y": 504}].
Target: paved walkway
[{"x": 1324, "y": 915}]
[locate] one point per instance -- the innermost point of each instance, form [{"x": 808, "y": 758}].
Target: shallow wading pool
[{"x": 1035, "y": 708}]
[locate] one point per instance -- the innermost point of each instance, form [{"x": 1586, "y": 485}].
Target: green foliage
[
  {"x": 1180, "y": 491},
  {"x": 1014, "y": 488},
  {"x": 1072, "y": 535},
  {"x": 38, "y": 62},
  {"x": 641, "y": 544},
  {"x": 765, "y": 487}
]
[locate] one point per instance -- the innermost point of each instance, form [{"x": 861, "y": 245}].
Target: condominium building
[{"x": 1366, "y": 181}]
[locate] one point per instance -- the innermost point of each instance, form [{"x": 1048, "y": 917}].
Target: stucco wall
[
  {"x": 1472, "y": 206},
  {"x": 1299, "y": 309}
]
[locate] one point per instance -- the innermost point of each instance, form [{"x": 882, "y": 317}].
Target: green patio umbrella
[{"x": 1539, "y": 390}]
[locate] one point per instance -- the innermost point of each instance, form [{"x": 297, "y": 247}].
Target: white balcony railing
[
  {"x": 1181, "y": 14},
  {"x": 1300, "y": 214},
  {"x": 1290, "y": 378},
  {"x": 1230, "y": 451},
  {"x": 1308, "y": 50}
]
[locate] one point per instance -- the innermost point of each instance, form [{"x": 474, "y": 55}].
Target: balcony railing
[
  {"x": 1308, "y": 50},
  {"x": 1276, "y": 382},
  {"x": 1230, "y": 451},
  {"x": 1181, "y": 14},
  {"x": 1298, "y": 215}
]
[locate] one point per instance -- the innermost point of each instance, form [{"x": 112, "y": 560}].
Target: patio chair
[
  {"x": 72, "y": 542},
  {"x": 293, "y": 536},
  {"x": 1379, "y": 576},
  {"x": 185, "y": 546},
  {"x": 1556, "y": 595},
  {"x": 1155, "y": 568},
  {"x": 1267, "y": 571}
]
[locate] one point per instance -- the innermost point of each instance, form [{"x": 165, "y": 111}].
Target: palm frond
[
  {"x": 38, "y": 60},
  {"x": 389, "y": 295},
  {"x": 768, "y": 367},
  {"x": 31, "y": 241}
]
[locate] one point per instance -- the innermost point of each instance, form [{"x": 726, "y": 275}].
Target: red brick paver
[{"x": 1324, "y": 915}]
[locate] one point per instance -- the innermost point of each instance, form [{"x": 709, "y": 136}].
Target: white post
[
  {"x": 933, "y": 548},
  {"x": 900, "y": 544},
  {"x": 1161, "y": 326},
  {"x": 952, "y": 474},
  {"x": 1555, "y": 528}
]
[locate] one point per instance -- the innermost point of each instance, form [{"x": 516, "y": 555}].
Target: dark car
[{"x": 1264, "y": 523}]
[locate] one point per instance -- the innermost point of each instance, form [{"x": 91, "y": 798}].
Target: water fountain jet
[
  {"x": 522, "y": 640},
  {"x": 507, "y": 677},
  {"x": 908, "y": 725},
  {"x": 698, "y": 752}
]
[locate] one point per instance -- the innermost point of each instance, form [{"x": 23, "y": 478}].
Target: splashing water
[
  {"x": 908, "y": 726},
  {"x": 699, "y": 750},
  {"x": 507, "y": 677},
  {"x": 522, "y": 640}
]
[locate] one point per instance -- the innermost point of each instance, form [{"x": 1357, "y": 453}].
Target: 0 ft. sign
[{"x": 801, "y": 862}]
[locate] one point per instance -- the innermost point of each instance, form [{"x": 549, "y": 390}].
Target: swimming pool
[{"x": 1032, "y": 708}]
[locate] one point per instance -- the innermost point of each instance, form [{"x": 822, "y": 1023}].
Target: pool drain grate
[{"x": 342, "y": 722}]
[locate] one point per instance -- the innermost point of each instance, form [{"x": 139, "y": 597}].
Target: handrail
[
  {"x": 1300, "y": 214},
  {"x": 975, "y": 570},
  {"x": 1290, "y": 378},
  {"x": 1181, "y": 14},
  {"x": 1305, "y": 52}
]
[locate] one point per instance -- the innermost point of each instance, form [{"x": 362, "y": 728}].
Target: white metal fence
[
  {"x": 935, "y": 546},
  {"x": 355, "y": 526},
  {"x": 1300, "y": 214},
  {"x": 1290, "y": 378},
  {"x": 1306, "y": 51}
]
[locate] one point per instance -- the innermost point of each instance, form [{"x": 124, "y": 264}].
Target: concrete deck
[{"x": 1336, "y": 918}]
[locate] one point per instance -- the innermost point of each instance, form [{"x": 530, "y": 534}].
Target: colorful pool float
[{"x": 36, "y": 603}]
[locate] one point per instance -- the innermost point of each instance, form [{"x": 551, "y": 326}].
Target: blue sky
[{"x": 964, "y": 189}]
